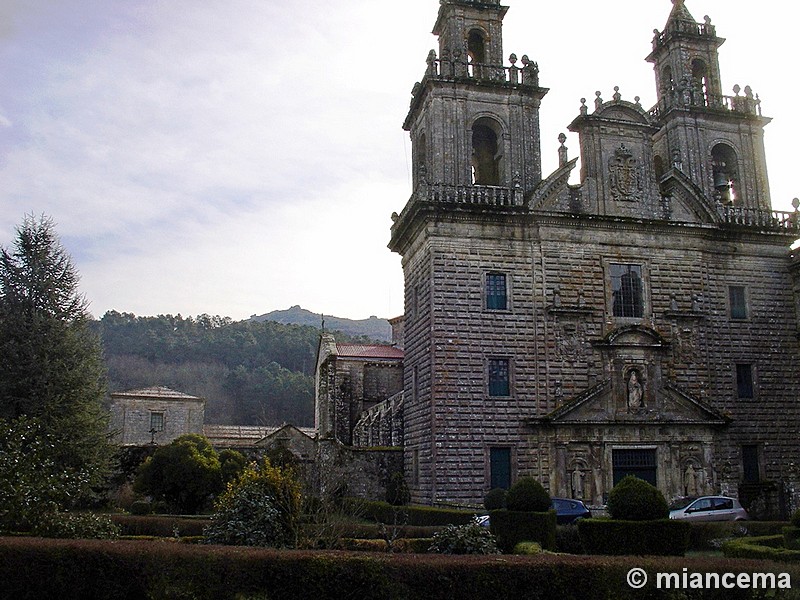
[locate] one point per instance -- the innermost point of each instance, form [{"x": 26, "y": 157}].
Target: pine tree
[{"x": 51, "y": 365}]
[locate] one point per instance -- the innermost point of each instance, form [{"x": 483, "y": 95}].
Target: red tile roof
[{"x": 368, "y": 351}]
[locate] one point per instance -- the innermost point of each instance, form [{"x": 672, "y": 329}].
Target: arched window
[
  {"x": 667, "y": 83},
  {"x": 476, "y": 53},
  {"x": 699, "y": 83},
  {"x": 486, "y": 154},
  {"x": 724, "y": 169}
]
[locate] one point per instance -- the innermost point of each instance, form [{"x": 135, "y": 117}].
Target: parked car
[
  {"x": 708, "y": 508},
  {"x": 567, "y": 511}
]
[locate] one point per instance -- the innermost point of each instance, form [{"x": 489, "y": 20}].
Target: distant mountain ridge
[{"x": 374, "y": 328}]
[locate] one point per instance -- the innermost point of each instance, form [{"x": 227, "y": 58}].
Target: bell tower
[
  {"x": 474, "y": 121},
  {"x": 715, "y": 139}
]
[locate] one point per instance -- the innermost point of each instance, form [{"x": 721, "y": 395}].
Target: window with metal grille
[
  {"x": 499, "y": 380},
  {"x": 738, "y": 302},
  {"x": 496, "y": 293},
  {"x": 640, "y": 463},
  {"x": 156, "y": 421},
  {"x": 626, "y": 290},
  {"x": 744, "y": 381}
]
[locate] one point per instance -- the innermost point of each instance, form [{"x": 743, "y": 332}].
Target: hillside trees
[
  {"x": 249, "y": 372},
  {"x": 51, "y": 367}
]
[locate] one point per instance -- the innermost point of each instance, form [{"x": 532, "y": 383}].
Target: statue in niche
[
  {"x": 635, "y": 390},
  {"x": 578, "y": 479},
  {"x": 690, "y": 480}
]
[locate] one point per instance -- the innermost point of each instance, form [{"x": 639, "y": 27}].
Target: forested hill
[
  {"x": 374, "y": 328},
  {"x": 250, "y": 372}
]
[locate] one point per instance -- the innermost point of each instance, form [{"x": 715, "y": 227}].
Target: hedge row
[
  {"x": 160, "y": 526},
  {"x": 640, "y": 538},
  {"x": 791, "y": 537},
  {"x": 704, "y": 536},
  {"x": 424, "y": 516},
  {"x": 766, "y": 547},
  {"x": 511, "y": 527},
  {"x": 66, "y": 569}
]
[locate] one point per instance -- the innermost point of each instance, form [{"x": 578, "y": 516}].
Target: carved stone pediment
[
  {"x": 599, "y": 406},
  {"x": 633, "y": 336}
]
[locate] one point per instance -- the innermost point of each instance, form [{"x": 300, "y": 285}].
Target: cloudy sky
[{"x": 234, "y": 157}]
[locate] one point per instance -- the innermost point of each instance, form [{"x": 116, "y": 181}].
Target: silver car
[{"x": 708, "y": 508}]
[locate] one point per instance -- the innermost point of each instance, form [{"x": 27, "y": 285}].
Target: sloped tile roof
[
  {"x": 368, "y": 351},
  {"x": 159, "y": 392}
]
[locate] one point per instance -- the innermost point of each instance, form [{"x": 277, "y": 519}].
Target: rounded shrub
[
  {"x": 528, "y": 495},
  {"x": 141, "y": 508},
  {"x": 495, "y": 499},
  {"x": 261, "y": 508},
  {"x": 75, "y": 526},
  {"x": 397, "y": 492},
  {"x": 464, "y": 539},
  {"x": 633, "y": 499},
  {"x": 796, "y": 518}
]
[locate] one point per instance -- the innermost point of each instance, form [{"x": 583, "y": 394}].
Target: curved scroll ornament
[{"x": 625, "y": 175}]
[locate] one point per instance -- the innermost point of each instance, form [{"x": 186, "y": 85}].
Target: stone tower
[
  {"x": 473, "y": 120},
  {"x": 717, "y": 140},
  {"x": 640, "y": 322}
]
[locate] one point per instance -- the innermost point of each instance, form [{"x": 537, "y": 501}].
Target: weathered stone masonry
[{"x": 644, "y": 321}]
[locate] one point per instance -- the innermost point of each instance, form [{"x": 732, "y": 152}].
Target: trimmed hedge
[
  {"x": 710, "y": 535},
  {"x": 160, "y": 526},
  {"x": 791, "y": 538},
  {"x": 512, "y": 527},
  {"x": 35, "y": 568},
  {"x": 640, "y": 538},
  {"x": 405, "y": 545},
  {"x": 421, "y": 516},
  {"x": 528, "y": 495},
  {"x": 766, "y": 547}
]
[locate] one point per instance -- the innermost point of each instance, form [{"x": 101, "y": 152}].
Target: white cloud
[{"x": 240, "y": 156}]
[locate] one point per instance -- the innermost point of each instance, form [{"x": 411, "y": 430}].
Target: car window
[
  {"x": 702, "y": 504},
  {"x": 723, "y": 504}
]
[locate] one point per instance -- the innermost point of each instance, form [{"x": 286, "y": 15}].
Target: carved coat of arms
[{"x": 625, "y": 175}]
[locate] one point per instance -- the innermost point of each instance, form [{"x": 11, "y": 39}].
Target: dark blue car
[{"x": 569, "y": 510}]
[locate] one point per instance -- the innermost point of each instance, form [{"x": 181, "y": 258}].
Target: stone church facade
[{"x": 643, "y": 321}]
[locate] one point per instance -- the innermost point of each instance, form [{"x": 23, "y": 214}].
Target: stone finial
[
  {"x": 638, "y": 101},
  {"x": 598, "y": 101},
  {"x": 737, "y": 89},
  {"x": 748, "y": 91},
  {"x": 562, "y": 151},
  {"x": 556, "y": 296},
  {"x": 707, "y": 20},
  {"x": 617, "y": 95},
  {"x": 512, "y": 59},
  {"x": 584, "y": 108},
  {"x": 796, "y": 203}
]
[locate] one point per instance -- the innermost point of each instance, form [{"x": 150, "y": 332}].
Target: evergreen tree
[{"x": 51, "y": 366}]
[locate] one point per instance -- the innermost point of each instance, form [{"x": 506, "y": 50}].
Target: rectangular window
[
  {"x": 500, "y": 468},
  {"x": 744, "y": 381},
  {"x": 496, "y": 292},
  {"x": 738, "y": 302},
  {"x": 156, "y": 421},
  {"x": 639, "y": 463},
  {"x": 750, "y": 469},
  {"x": 415, "y": 466},
  {"x": 626, "y": 290},
  {"x": 499, "y": 379}
]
